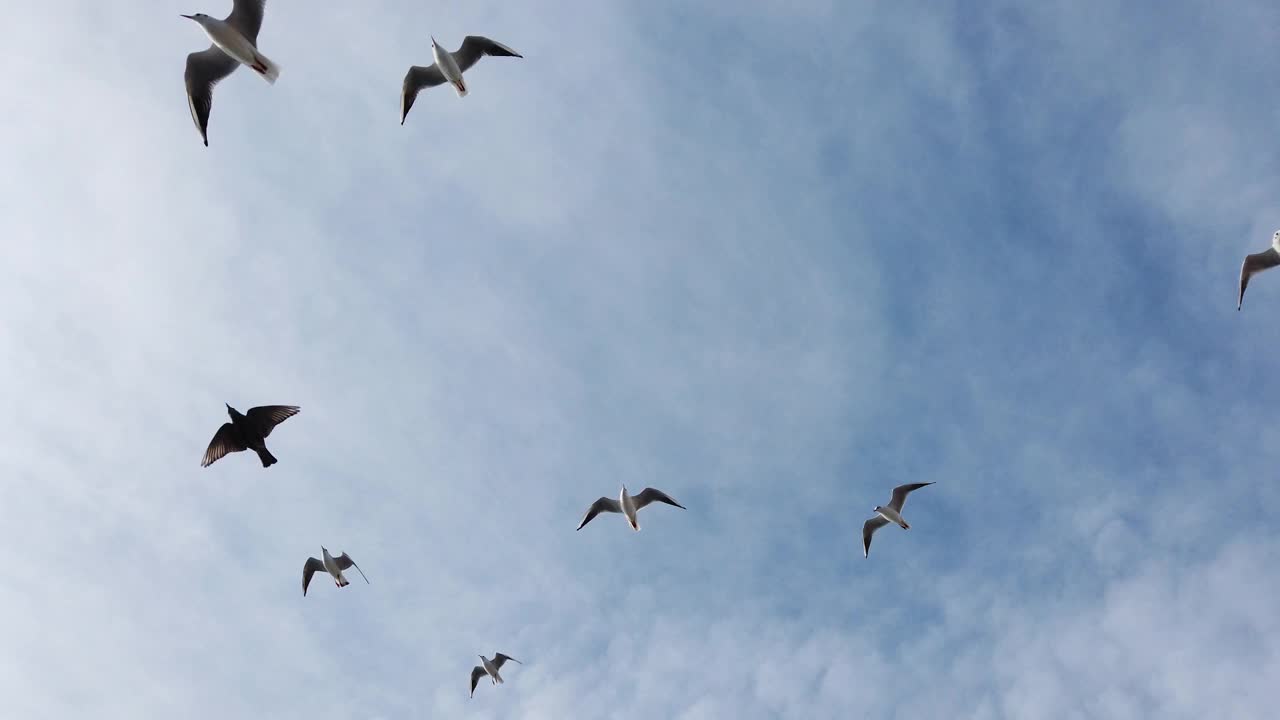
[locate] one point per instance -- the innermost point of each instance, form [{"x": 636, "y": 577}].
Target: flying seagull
[
  {"x": 235, "y": 42},
  {"x": 627, "y": 505},
  {"x": 490, "y": 668},
  {"x": 886, "y": 515},
  {"x": 449, "y": 67},
  {"x": 248, "y": 432},
  {"x": 332, "y": 565},
  {"x": 1256, "y": 263}
]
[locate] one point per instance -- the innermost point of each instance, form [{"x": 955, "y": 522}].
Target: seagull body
[
  {"x": 1256, "y": 263},
  {"x": 490, "y": 668},
  {"x": 332, "y": 565},
  {"x": 248, "y": 431},
  {"x": 890, "y": 514},
  {"x": 235, "y": 43},
  {"x": 628, "y": 505},
  {"x": 449, "y": 67}
]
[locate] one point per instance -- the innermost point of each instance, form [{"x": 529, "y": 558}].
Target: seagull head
[
  {"x": 230, "y": 410},
  {"x": 433, "y": 44},
  {"x": 197, "y": 17}
]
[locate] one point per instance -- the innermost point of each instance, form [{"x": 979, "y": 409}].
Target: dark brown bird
[{"x": 248, "y": 432}]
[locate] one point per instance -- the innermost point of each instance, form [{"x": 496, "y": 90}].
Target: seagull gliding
[
  {"x": 886, "y": 515},
  {"x": 235, "y": 42}
]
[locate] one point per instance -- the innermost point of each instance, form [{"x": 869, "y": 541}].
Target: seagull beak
[{"x": 189, "y": 17}]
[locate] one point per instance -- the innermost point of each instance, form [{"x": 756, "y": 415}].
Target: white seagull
[
  {"x": 490, "y": 668},
  {"x": 1256, "y": 263},
  {"x": 886, "y": 515},
  {"x": 235, "y": 42},
  {"x": 627, "y": 505},
  {"x": 332, "y": 565},
  {"x": 449, "y": 67}
]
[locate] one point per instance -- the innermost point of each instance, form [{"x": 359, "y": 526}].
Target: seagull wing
[
  {"x": 868, "y": 529},
  {"x": 900, "y": 494},
  {"x": 649, "y": 495},
  {"x": 204, "y": 70},
  {"x": 475, "y": 47},
  {"x": 311, "y": 567},
  {"x": 1254, "y": 264},
  {"x": 344, "y": 561},
  {"x": 224, "y": 441},
  {"x": 265, "y": 418},
  {"x": 477, "y": 672},
  {"x": 416, "y": 79},
  {"x": 499, "y": 658},
  {"x": 604, "y": 504},
  {"x": 246, "y": 16}
]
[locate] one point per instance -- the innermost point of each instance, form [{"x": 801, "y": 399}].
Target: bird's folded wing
[
  {"x": 900, "y": 494},
  {"x": 477, "y": 672},
  {"x": 224, "y": 441},
  {"x": 868, "y": 529},
  {"x": 266, "y": 417},
  {"x": 246, "y": 16},
  {"x": 204, "y": 70},
  {"x": 649, "y": 495},
  {"x": 311, "y": 567},
  {"x": 604, "y": 504},
  {"x": 475, "y": 47},
  {"x": 344, "y": 561}
]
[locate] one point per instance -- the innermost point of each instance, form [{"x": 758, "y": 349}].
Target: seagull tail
[
  {"x": 265, "y": 67},
  {"x": 266, "y": 457}
]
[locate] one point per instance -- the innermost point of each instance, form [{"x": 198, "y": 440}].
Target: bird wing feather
[
  {"x": 311, "y": 567},
  {"x": 267, "y": 417},
  {"x": 650, "y": 495},
  {"x": 204, "y": 70},
  {"x": 868, "y": 529},
  {"x": 475, "y": 47},
  {"x": 246, "y": 16},
  {"x": 604, "y": 504},
  {"x": 344, "y": 561},
  {"x": 900, "y": 494},
  {"x": 224, "y": 441}
]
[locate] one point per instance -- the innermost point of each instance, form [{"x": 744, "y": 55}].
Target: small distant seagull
[
  {"x": 332, "y": 565},
  {"x": 248, "y": 432},
  {"x": 449, "y": 66},
  {"x": 627, "y": 505},
  {"x": 235, "y": 42},
  {"x": 490, "y": 668},
  {"x": 886, "y": 515},
  {"x": 1256, "y": 263}
]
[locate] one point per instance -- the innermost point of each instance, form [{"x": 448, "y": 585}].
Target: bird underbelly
[
  {"x": 235, "y": 45},
  {"x": 891, "y": 516}
]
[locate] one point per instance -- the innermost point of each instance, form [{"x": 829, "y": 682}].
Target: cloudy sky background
[{"x": 773, "y": 258}]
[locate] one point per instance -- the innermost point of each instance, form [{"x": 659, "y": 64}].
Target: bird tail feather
[
  {"x": 266, "y": 457},
  {"x": 265, "y": 67}
]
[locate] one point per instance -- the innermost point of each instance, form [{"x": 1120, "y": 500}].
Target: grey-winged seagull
[
  {"x": 235, "y": 43},
  {"x": 490, "y": 668},
  {"x": 332, "y": 565},
  {"x": 449, "y": 67},
  {"x": 627, "y": 505},
  {"x": 1256, "y": 263},
  {"x": 886, "y": 515}
]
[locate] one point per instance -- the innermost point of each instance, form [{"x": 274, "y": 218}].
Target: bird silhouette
[{"x": 248, "y": 431}]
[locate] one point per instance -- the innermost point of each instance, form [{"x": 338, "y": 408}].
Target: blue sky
[{"x": 773, "y": 258}]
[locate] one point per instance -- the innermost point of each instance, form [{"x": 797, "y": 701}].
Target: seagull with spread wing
[
  {"x": 490, "y": 668},
  {"x": 235, "y": 43},
  {"x": 248, "y": 432},
  {"x": 449, "y": 67},
  {"x": 886, "y": 515},
  {"x": 1256, "y": 263},
  {"x": 332, "y": 565},
  {"x": 628, "y": 505}
]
